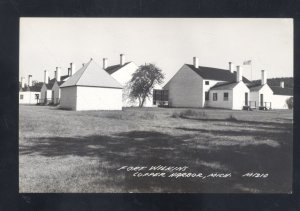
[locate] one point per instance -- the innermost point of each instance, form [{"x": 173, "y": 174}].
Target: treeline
[{"x": 288, "y": 81}]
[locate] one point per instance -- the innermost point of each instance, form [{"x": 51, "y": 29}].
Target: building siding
[
  {"x": 68, "y": 97},
  {"x": 98, "y": 98},
  {"x": 239, "y": 96},
  {"x": 267, "y": 95},
  {"x": 28, "y": 97},
  {"x": 185, "y": 89},
  {"x": 220, "y": 103},
  {"x": 206, "y": 88},
  {"x": 56, "y": 91},
  {"x": 279, "y": 101}
]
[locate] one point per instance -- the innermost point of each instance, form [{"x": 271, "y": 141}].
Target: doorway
[
  {"x": 246, "y": 98},
  {"x": 261, "y": 100}
]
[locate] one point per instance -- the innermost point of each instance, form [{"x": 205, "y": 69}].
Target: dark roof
[
  {"x": 61, "y": 78},
  {"x": 60, "y": 83},
  {"x": 255, "y": 88},
  {"x": 215, "y": 73},
  {"x": 224, "y": 85},
  {"x": 50, "y": 84},
  {"x": 277, "y": 90},
  {"x": 114, "y": 68}
]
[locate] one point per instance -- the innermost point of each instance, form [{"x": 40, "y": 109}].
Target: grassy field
[{"x": 68, "y": 151}]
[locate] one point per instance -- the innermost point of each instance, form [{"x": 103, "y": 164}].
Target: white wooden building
[
  {"x": 122, "y": 72},
  {"x": 280, "y": 95},
  {"x": 29, "y": 93},
  {"x": 50, "y": 92},
  {"x": 197, "y": 86},
  {"x": 91, "y": 88},
  {"x": 261, "y": 95}
]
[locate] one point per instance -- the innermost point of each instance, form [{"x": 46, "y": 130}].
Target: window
[
  {"x": 225, "y": 96},
  {"x": 215, "y": 96},
  {"x": 206, "y": 82},
  {"x": 21, "y": 97},
  {"x": 37, "y": 96},
  {"x": 206, "y": 95}
]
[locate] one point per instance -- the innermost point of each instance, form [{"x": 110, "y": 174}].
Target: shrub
[
  {"x": 231, "y": 118},
  {"x": 148, "y": 115},
  {"x": 190, "y": 113},
  {"x": 114, "y": 115},
  {"x": 290, "y": 103},
  {"x": 175, "y": 115}
]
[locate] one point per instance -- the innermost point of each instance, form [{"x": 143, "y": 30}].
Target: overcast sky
[{"x": 169, "y": 43}]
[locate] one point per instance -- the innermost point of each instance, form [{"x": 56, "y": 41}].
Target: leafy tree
[
  {"x": 34, "y": 82},
  {"x": 143, "y": 81},
  {"x": 290, "y": 102}
]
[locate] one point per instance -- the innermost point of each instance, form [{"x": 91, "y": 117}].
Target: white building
[
  {"x": 91, "y": 88},
  {"x": 280, "y": 95},
  {"x": 122, "y": 72},
  {"x": 50, "y": 92},
  {"x": 28, "y": 93},
  {"x": 197, "y": 86},
  {"x": 261, "y": 95}
]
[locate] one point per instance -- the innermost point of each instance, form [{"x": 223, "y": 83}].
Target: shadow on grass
[{"x": 147, "y": 148}]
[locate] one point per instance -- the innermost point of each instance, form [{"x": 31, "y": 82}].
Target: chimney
[
  {"x": 29, "y": 80},
  {"x": 71, "y": 69},
  {"x": 263, "y": 77},
  {"x": 122, "y": 59},
  {"x": 104, "y": 63},
  {"x": 57, "y": 74},
  {"x": 282, "y": 84},
  {"x": 231, "y": 67},
  {"x": 22, "y": 82},
  {"x": 239, "y": 73},
  {"x": 46, "y": 76},
  {"x": 196, "y": 62}
]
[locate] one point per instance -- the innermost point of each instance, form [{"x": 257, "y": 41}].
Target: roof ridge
[{"x": 84, "y": 67}]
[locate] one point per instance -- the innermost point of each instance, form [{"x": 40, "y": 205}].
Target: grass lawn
[{"x": 68, "y": 151}]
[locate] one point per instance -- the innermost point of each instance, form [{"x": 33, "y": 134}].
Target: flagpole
[{"x": 251, "y": 69}]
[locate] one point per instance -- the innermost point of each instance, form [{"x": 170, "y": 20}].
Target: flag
[{"x": 248, "y": 62}]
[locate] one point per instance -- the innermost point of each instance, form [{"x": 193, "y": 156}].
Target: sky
[{"x": 169, "y": 43}]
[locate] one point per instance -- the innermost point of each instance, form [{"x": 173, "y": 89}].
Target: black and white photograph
[{"x": 156, "y": 105}]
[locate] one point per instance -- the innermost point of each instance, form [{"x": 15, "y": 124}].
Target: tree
[
  {"x": 34, "y": 82},
  {"x": 143, "y": 81},
  {"x": 290, "y": 102}
]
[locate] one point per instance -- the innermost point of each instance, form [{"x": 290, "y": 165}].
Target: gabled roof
[
  {"x": 277, "y": 90},
  {"x": 224, "y": 86},
  {"x": 61, "y": 78},
  {"x": 255, "y": 88},
  {"x": 50, "y": 84},
  {"x": 115, "y": 68},
  {"x": 91, "y": 74},
  {"x": 215, "y": 73}
]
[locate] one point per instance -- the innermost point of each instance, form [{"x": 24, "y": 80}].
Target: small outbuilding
[
  {"x": 229, "y": 95},
  {"x": 261, "y": 94},
  {"x": 91, "y": 88},
  {"x": 29, "y": 93},
  {"x": 50, "y": 92}
]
